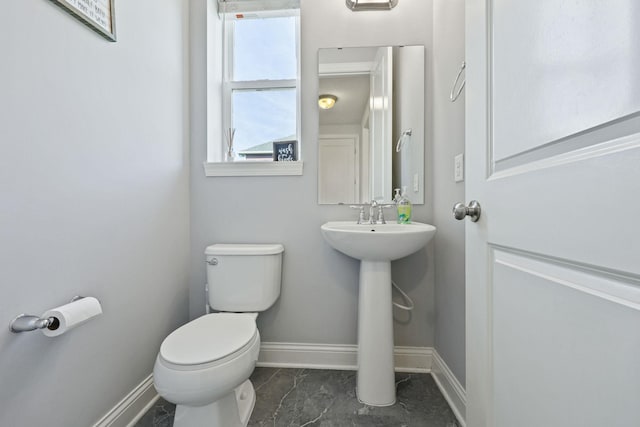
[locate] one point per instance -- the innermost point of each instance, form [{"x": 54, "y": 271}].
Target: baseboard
[
  {"x": 344, "y": 357},
  {"x": 450, "y": 387},
  {"x": 340, "y": 357},
  {"x": 312, "y": 356},
  {"x": 133, "y": 407}
]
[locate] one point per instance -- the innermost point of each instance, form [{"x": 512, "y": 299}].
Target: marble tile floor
[{"x": 325, "y": 398}]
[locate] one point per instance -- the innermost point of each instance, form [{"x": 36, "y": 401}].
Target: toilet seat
[{"x": 208, "y": 340}]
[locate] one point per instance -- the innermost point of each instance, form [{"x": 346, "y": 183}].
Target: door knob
[{"x": 472, "y": 211}]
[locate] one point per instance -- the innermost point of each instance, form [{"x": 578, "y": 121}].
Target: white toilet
[{"x": 203, "y": 367}]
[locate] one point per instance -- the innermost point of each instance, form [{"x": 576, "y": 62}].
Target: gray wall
[
  {"x": 448, "y": 40},
  {"x": 318, "y": 303},
  {"x": 94, "y": 201}
]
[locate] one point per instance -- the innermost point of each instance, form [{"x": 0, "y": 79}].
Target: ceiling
[{"x": 353, "y": 96}]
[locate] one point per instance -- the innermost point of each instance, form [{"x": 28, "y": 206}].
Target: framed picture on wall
[{"x": 98, "y": 15}]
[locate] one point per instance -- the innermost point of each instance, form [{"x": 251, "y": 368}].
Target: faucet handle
[
  {"x": 361, "y": 214},
  {"x": 381, "y": 213}
]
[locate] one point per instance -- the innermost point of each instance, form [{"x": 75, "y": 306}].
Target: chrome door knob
[{"x": 472, "y": 211}]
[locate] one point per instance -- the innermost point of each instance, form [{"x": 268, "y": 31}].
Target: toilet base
[
  {"x": 246, "y": 400},
  {"x": 232, "y": 410}
]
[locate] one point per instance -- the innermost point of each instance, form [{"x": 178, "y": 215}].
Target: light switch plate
[{"x": 458, "y": 168}]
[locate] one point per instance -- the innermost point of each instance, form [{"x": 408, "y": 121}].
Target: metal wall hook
[
  {"x": 402, "y": 140},
  {"x": 454, "y": 95}
]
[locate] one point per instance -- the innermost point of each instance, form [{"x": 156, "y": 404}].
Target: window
[{"x": 260, "y": 83}]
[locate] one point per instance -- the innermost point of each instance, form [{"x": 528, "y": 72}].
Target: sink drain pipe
[{"x": 408, "y": 307}]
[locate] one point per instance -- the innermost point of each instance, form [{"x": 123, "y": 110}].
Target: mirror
[{"x": 372, "y": 139}]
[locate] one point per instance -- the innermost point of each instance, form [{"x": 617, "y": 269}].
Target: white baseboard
[
  {"x": 340, "y": 357},
  {"x": 133, "y": 407},
  {"x": 450, "y": 387},
  {"x": 312, "y": 356}
]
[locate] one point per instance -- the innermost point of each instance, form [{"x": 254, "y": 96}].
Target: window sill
[{"x": 252, "y": 168}]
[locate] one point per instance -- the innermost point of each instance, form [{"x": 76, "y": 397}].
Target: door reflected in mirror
[{"x": 372, "y": 139}]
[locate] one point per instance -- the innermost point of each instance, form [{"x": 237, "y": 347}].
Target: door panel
[
  {"x": 553, "y": 155},
  {"x": 564, "y": 67},
  {"x": 545, "y": 316},
  {"x": 338, "y": 172}
]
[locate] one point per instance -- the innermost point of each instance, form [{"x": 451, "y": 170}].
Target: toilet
[{"x": 204, "y": 366}]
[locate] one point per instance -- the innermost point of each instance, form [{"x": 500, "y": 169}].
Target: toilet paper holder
[{"x": 28, "y": 322}]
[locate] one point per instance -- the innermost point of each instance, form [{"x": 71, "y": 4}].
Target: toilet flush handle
[{"x": 212, "y": 261}]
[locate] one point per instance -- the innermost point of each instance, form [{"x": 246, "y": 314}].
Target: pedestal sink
[{"x": 376, "y": 246}]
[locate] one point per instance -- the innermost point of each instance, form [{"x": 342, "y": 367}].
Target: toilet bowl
[{"x": 203, "y": 367}]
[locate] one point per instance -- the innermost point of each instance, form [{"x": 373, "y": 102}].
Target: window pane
[
  {"x": 264, "y": 49},
  {"x": 261, "y": 117}
]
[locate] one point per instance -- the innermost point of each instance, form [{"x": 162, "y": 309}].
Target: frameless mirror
[{"x": 372, "y": 139}]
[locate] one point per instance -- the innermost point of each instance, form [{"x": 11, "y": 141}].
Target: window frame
[{"x": 229, "y": 86}]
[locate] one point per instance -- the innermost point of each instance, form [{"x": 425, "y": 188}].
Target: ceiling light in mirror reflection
[{"x": 327, "y": 101}]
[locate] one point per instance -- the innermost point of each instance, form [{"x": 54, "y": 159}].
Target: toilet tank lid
[{"x": 244, "y": 249}]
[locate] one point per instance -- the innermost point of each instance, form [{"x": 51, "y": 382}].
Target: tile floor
[{"x": 324, "y": 398}]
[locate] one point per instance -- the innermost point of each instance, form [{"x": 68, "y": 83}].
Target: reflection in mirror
[{"x": 372, "y": 139}]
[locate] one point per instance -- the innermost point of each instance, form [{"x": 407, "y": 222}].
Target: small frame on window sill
[
  {"x": 98, "y": 15},
  {"x": 285, "y": 151}
]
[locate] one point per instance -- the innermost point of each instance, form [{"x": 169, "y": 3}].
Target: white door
[
  {"x": 553, "y": 264},
  {"x": 380, "y": 132},
  {"x": 338, "y": 169}
]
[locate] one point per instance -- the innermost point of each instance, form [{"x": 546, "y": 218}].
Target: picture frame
[
  {"x": 285, "y": 151},
  {"x": 98, "y": 15}
]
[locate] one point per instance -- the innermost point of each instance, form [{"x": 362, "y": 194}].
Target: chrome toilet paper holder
[{"x": 28, "y": 322}]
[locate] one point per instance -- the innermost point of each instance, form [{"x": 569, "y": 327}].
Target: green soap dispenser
[{"x": 403, "y": 204}]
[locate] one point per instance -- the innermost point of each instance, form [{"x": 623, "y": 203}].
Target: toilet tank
[{"x": 243, "y": 277}]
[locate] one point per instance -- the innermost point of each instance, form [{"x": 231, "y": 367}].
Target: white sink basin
[{"x": 378, "y": 242}]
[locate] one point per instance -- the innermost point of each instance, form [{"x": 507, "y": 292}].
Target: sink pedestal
[
  {"x": 376, "y": 245},
  {"x": 376, "y": 378}
]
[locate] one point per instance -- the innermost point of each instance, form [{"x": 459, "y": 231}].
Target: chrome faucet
[
  {"x": 372, "y": 211},
  {"x": 373, "y": 218}
]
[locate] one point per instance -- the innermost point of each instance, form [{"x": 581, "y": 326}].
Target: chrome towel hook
[
  {"x": 406, "y": 134},
  {"x": 453, "y": 96}
]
